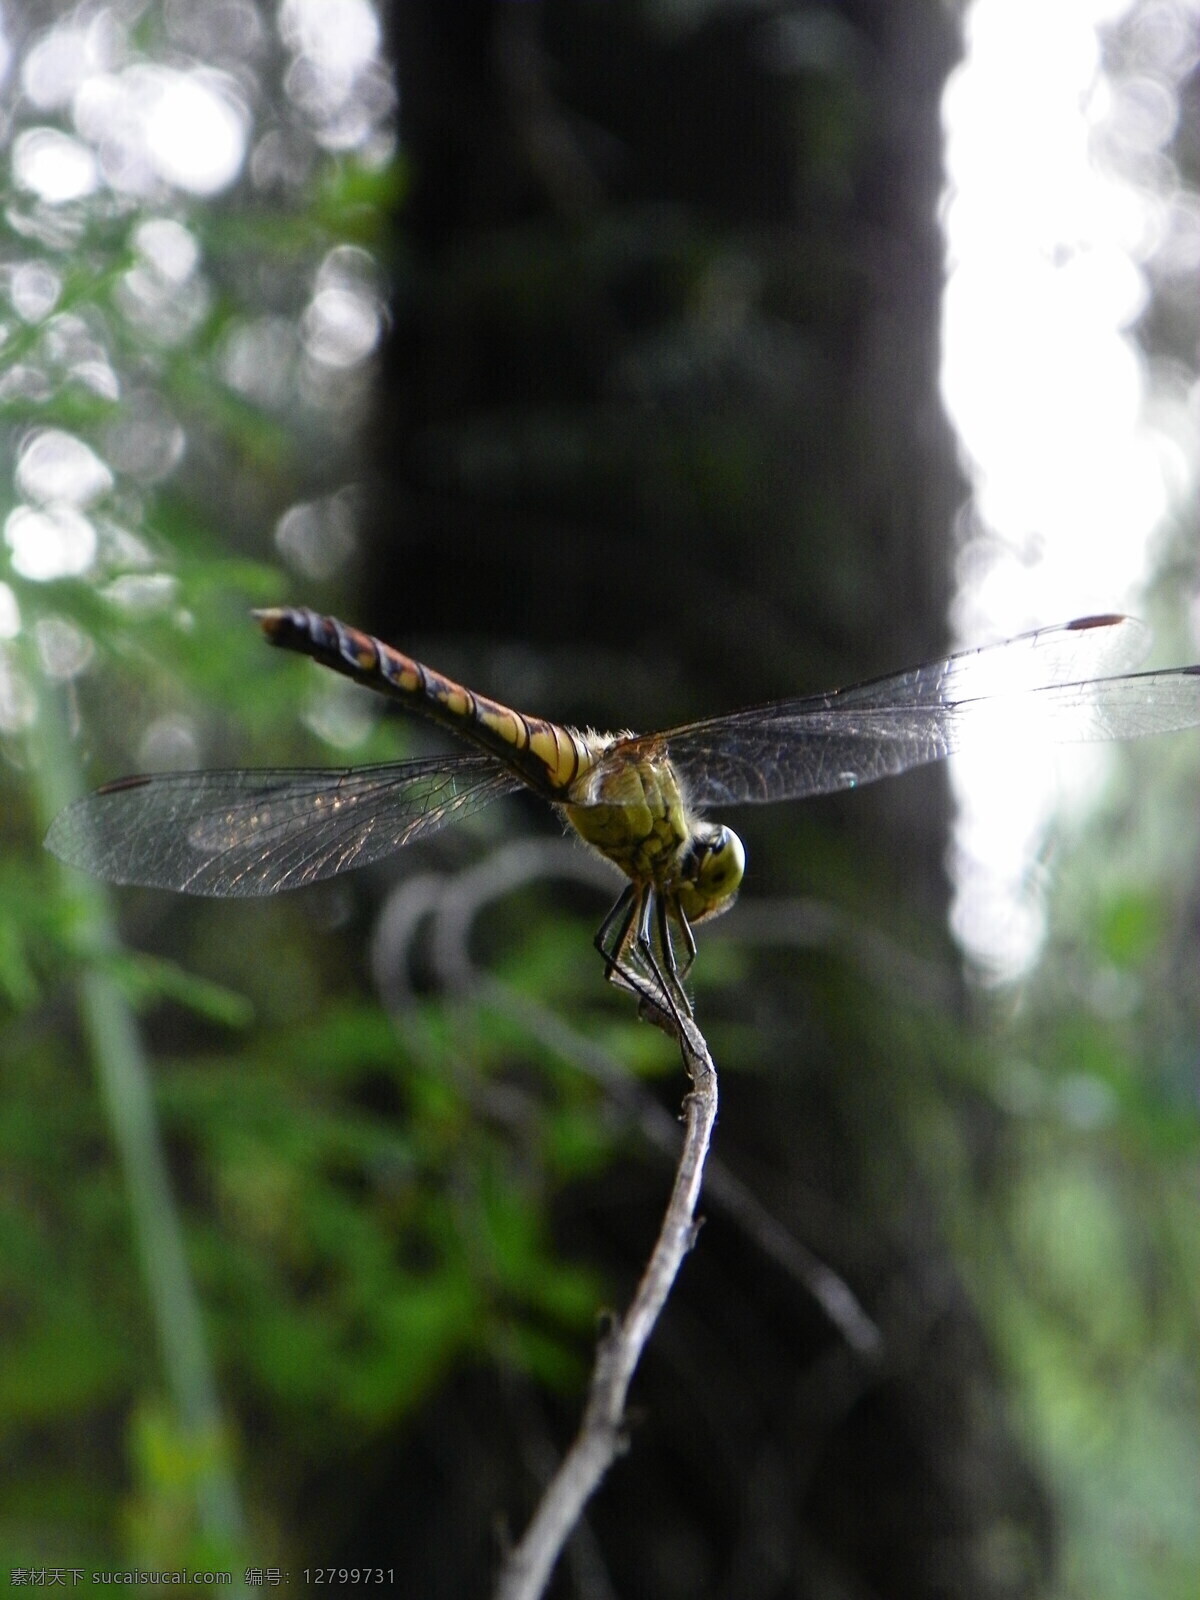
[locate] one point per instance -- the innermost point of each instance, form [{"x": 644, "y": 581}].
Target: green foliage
[
  {"x": 351, "y": 1258},
  {"x": 1087, "y": 1252}
]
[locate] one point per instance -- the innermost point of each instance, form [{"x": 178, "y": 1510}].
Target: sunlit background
[
  {"x": 1061, "y": 210},
  {"x": 126, "y": 137}
]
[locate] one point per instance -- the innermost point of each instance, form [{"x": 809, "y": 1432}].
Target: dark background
[{"x": 660, "y": 407}]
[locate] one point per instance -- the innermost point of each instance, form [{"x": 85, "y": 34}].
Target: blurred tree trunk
[{"x": 659, "y": 435}]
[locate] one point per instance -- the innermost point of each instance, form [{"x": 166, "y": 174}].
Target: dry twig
[{"x": 600, "y": 1438}]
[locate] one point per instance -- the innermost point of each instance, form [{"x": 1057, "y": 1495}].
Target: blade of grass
[{"x": 123, "y": 1078}]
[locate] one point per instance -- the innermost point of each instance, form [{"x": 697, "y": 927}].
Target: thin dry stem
[{"x": 600, "y": 1438}]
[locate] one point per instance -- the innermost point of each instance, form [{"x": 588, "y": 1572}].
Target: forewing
[
  {"x": 1069, "y": 652},
  {"x": 243, "y": 833},
  {"x": 1035, "y": 687}
]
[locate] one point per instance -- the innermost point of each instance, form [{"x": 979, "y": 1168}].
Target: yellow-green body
[
  {"x": 626, "y": 796},
  {"x": 619, "y": 792},
  {"x": 632, "y": 812},
  {"x": 628, "y": 804}
]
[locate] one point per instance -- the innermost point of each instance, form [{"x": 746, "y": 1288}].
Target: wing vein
[{"x": 242, "y": 833}]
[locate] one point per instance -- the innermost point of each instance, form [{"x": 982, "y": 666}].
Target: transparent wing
[
  {"x": 1040, "y": 686},
  {"x": 254, "y": 833}
]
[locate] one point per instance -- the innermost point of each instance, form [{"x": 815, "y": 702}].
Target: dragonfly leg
[
  {"x": 615, "y": 937},
  {"x": 613, "y": 933},
  {"x": 625, "y": 941},
  {"x": 621, "y": 911},
  {"x": 634, "y": 957},
  {"x": 669, "y": 974},
  {"x": 634, "y": 961},
  {"x": 689, "y": 939}
]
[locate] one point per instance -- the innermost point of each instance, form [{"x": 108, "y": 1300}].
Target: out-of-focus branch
[{"x": 452, "y": 905}]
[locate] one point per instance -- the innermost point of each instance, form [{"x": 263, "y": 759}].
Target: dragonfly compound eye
[{"x": 713, "y": 873}]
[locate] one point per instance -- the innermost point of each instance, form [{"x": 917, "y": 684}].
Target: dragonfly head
[{"x": 711, "y": 871}]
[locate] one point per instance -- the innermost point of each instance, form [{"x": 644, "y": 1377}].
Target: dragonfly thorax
[{"x": 630, "y": 806}]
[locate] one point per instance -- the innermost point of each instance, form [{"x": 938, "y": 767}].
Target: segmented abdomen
[{"x": 548, "y": 757}]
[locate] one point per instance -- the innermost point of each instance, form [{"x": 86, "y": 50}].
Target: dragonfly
[{"x": 639, "y": 800}]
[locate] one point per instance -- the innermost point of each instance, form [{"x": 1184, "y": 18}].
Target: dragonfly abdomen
[{"x": 547, "y": 756}]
